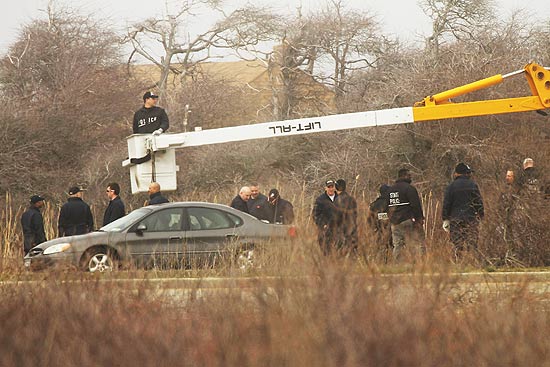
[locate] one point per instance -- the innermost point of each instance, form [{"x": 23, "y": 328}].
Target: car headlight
[{"x": 60, "y": 247}]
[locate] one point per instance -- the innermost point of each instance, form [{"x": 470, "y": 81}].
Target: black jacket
[
  {"x": 281, "y": 212},
  {"x": 157, "y": 198},
  {"x": 239, "y": 204},
  {"x": 346, "y": 220},
  {"x": 403, "y": 203},
  {"x": 530, "y": 182},
  {"x": 378, "y": 206},
  {"x": 147, "y": 120},
  {"x": 114, "y": 210},
  {"x": 462, "y": 201},
  {"x": 258, "y": 207},
  {"x": 75, "y": 218},
  {"x": 324, "y": 211},
  {"x": 33, "y": 228}
]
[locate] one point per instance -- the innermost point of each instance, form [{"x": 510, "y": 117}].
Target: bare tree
[
  {"x": 459, "y": 19},
  {"x": 238, "y": 31},
  {"x": 326, "y": 46},
  {"x": 291, "y": 66},
  {"x": 60, "y": 77},
  {"x": 349, "y": 40}
]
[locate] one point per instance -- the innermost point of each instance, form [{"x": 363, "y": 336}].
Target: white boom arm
[{"x": 161, "y": 167}]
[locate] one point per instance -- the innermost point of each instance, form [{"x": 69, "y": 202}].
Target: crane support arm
[{"x": 439, "y": 106}]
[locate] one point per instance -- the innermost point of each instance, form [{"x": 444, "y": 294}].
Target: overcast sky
[{"x": 402, "y": 18}]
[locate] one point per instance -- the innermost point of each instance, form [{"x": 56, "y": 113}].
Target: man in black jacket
[
  {"x": 115, "y": 209},
  {"x": 239, "y": 202},
  {"x": 462, "y": 209},
  {"x": 257, "y": 204},
  {"x": 75, "y": 216},
  {"x": 406, "y": 216},
  {"x": 33, "y": 224},
  {"x": 346, "y": 219},
  {"x": 279, "y": 210},
  {"x": 324, "y": 215},
  {"x": 155, "y": 197},
  {"x": 150, "y": 118}
]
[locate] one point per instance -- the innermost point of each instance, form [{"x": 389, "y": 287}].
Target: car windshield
[{"x": 126, "y": 221}]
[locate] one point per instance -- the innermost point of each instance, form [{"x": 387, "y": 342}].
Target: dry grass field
[{"x": 329, "y": 312}]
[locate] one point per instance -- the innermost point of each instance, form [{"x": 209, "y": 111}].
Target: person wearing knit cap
[
  {"x": 462, "y": 210},
  {"x": 32, "y": 223},
  {"x": 406, "y": 217}
]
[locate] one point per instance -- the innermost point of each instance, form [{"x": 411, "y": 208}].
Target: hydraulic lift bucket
[{"x": 147, "y": 166}]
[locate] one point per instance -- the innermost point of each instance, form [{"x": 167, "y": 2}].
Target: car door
[
  {"x": 158, "y": 239},
  {"x": 208, "y": 233}
]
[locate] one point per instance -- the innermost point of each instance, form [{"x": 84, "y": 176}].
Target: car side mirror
[{"x": 140, "y": 229}]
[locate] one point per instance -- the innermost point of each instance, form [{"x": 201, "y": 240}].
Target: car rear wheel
[{"x": 100, "y": 260}]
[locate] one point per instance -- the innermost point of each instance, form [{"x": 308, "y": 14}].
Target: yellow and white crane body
[{"x": 152, "y": 158}]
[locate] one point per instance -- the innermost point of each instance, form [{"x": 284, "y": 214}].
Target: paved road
[{"x": 468, "y": 286}]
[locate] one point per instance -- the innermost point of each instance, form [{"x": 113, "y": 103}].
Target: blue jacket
[{"x": 462, "y": 201}]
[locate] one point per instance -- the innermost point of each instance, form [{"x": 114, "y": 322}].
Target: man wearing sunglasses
[{"x": 115, "y": 209}]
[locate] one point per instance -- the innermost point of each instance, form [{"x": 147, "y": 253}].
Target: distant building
[{"x": 262, "y": 87}]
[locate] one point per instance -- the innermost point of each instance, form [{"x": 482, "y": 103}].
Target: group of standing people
[
  {"x": 461, "y": 213},
  {"x": 397, "y": 217},
  {"x": 75, "y": 216},
  {"x": 271, "y": 208}
]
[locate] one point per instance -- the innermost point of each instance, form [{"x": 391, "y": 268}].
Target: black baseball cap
[
  {"x": 463, "y": 168},
  {"x": 329, "y": 183},
  {"x": 36, "y": 198},
  {"x": 149, "y": 94},
  {"x": 75, "y": 190},
  {"x": 273, "y": 194}
]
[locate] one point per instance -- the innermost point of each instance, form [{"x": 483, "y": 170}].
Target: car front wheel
[{"x": 100, "y": 260}]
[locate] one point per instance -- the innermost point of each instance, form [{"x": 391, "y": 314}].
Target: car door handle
[
  {"x": 176, "y": 238},
  {"x": 230, "y": 235}
]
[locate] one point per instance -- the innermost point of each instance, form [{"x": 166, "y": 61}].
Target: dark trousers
[
  {"x": 326, "y": 238},
  {"x": 464, "y": 235}
]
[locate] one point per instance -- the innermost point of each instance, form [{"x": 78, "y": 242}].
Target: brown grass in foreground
[{"x": 337, "y": 317}]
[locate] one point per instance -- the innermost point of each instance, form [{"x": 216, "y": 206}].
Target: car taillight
[{"x": 292, "y": 231}]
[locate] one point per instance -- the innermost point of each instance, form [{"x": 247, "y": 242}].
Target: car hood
[{"x": 88, "y": 239}]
